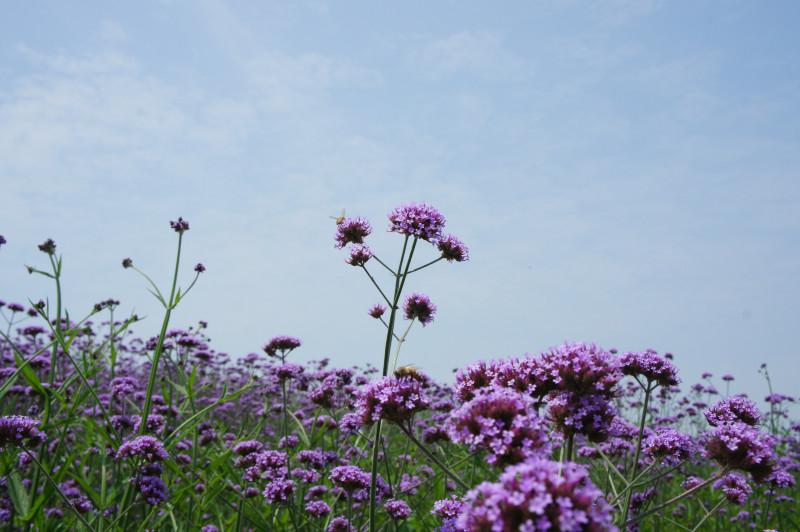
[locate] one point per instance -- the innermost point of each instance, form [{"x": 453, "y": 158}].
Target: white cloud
[{"x": 479, "y": 53}]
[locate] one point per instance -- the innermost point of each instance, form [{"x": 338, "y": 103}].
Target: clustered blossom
[
  {"x": 397, "y": 509},
  {"x": 419, "y": 306},
  {"x": 391, "y": 398},
  {"x": 147, "y": 448},
  {"x": 650, "y": 365},
  {"x": 735, "y": 488},
  {"x": 180, "y": 225},
  {"x": 417, "y": 220},
  {"x": 199, "y": 268},
  {"x": 359, "y": 255},
  {"x": 537, "y": 495},
  {"x": 503, "y": 423},
  {"x": 572, "y": 413},
  {"x": 20, "y": 431},
  {"x": 350, "y": 478},
  {"x": 736, "y": 409},
  {"x": 581, "y": 368},
  {"x": 452, "y": 249},
  {"x": 352, "y": 231},
  {"x": 671, "y": 446},
  {"x": 740, "y": 446},
  {"x": 48, "y": 246},
  {"x": 282, "y": 344},
  {"x": 377, "y": 310}
]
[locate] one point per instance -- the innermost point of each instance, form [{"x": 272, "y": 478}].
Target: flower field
[{"x": 104, "y": 430}]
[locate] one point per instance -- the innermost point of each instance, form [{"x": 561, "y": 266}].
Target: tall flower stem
[
  {"x": 148, "y": 398},
  {"x": 632, "y": 475},
  {"x": 400, "y": 279},
  {"x": 678, "y": 497}
]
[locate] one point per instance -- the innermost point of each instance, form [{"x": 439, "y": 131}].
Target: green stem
[
  {"x": 435, "y": 460},
  {"x": 635, "y": 465},
  {"x": 709, "y": 514},
  {"x": 426, "y": 264}
]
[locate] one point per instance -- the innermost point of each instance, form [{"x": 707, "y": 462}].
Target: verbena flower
[
  {"x": 397, "y": 509},
  {"x": 588, "y": 414},
  {"x": 650, "y": 365},
  {"x": 419, "y": 306},
  {"x": 20, "y": 431},
  {"x": 48, "y": 246},
  {"x": 501, "y": 422},
  {"x": 147, "y": 448},
  {"x": 377, "y": 310},
  {"x": 352, "y": 231},
  {"x": 350, "y": 478},
  {"x": 417, "y": 219},
  {"x": 452, "y": 249},
  {"x": 180, "y": 225},
  {"x": 317, "y": 508},
  {"x": 735, "y": 488},
  {"x": 671, "y": 446},
  {"x": 199, "y": 268},
  {"x": 732, "y": 410},
  {"x": 279, "y": 490},
  {"x": 581, "y": 368},
  {"x": 537, "y": 495},
  {"x": 740, "y": 446},
  {"x": 391, "y": 398},
  {"x": 359, "y": 255},
  {"x": 282, "y": 344}
]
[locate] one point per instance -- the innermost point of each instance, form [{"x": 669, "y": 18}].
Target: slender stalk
[
  {"x": 679, "y": 497},
  {"x": 400, "y": 342},
  {"x": 434, "y": 261},
  {"x": 384, "y": 265},
  {"x": 635, "y": 465},
  {"x": 60, "y": 493},
  {"x": 371, "y": 278},
  {"x": 709, "y": 514},
  {"x": 436, "y": 460},
  {"x": 570, "y": 446},
  {"x": 148, "y": 398}
]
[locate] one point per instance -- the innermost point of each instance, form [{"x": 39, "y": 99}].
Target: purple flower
[
  {"x": 573, "y": 413},
  {"x": 283, "y": 344},
  {"x": 580, "y": 368},
  {"x": 740, "y": 446},
  {"x": 397, "y": 509},
  {"x": 153, "y": 489},
  {"x": 127, "y": 263},
  {"x": 123, "y": 386},
  {"x": 352, "y": 230},
  {"x": 537, "y": 495},
  {"x": 390, "y": 398},
  {"x": 359, "y": 255},
  {"x": 474, "y": 377},
  {"x": 147, "y": 448},
  {"x": 419, "y": 306},
  {"x": 340, "y": 524},
  {"x": 670, "y": 445},
  {"x": 735, "y": 488},
  {"x": 279, "y": 490},
  {"x": 48, "y": 246},
  {"x": 180, "y": 225},
  {"x": 2, "y": 240},
  {"x": 727, "y": 377},
  {"x": 350, "y": 478},
  {"x": 452, "y": 249},
  {"x": 503, "y": 423},
  {"x": 418, "y": 220},
  {"x": 20, "y": 431},
  {"x": 199, "y": 268},
  {"x": 650, "y": 365},
  {"x": 318, "y": 508},
  {"x": 377, "y": 310},
  {"x": 732, "y": 410}
]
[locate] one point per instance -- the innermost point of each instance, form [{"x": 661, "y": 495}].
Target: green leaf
[{"x": 19, "y": 496}]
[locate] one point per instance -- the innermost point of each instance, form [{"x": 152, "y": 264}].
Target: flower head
[
  {"x": 419, "y": 306},
  {"x": 537, "y": 495},
  {"x": 580, "y": 368},
  {"x": 502, "y": 422},
  {"x": 588, "y": 414},
  {"x": 352, "y": 230},
  {"x": 282, "y": 344},
  {"x": 2, "y": 240},
  {"x": 733, "y": 409},
  {"x": 180, "y": 225},
  {"x": 377, "y": 310},
  {"x": 20, "y": 431},
  {"x": 199, "y": 268},
  {"x": 735, "y": 488},
  {"x": 48, "y": 246},
  {"x": 147, "y": 448},
  {"x": 390, "y": 398},
  {"x": 417, "y": 219},
  {"x": 740, "y": 446},
  {"x": 127, "y": 262},
  {"x": 650, "y": 365},
  {"x": 359, "y": 255},
  {"x": 350, "y": 478},
  {"x": 397, "y": 509},
  {"x": 452, "y": 249},
  {"x": 670, "y": 445}
]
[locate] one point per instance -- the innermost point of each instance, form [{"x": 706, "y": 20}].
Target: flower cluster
[
  {"x": 419, "y": 307},
  {"x": 537, "y": 495},
  {"x": 650, "y": 365},
  {"x": 501, "y": 422},
  {"x": 359, "y": 255},
  {"x": 19, "y": 431},
  {"x": 352, "y": 231},
  {"x": 740, "y": 446},
  {"x": 671, "y": 446},
  {"x": 452, "y": 249},
  {"x": 391, "y": 398},
  {"x": 282, "y": 344},
  {"x": 180, "y": 225},
  {"x": 735, "y": 488},
  {"x": 417, "y": 219},
  {"x": 736, "y": 409},
  {"x": 147, "y": 448}
]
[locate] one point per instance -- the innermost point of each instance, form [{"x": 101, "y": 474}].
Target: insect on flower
[
  {"x": 408, "y": 370},
  {"x": 339, "y": 219}
]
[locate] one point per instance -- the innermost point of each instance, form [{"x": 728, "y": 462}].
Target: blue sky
[{"x": 624, "y": 172}]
